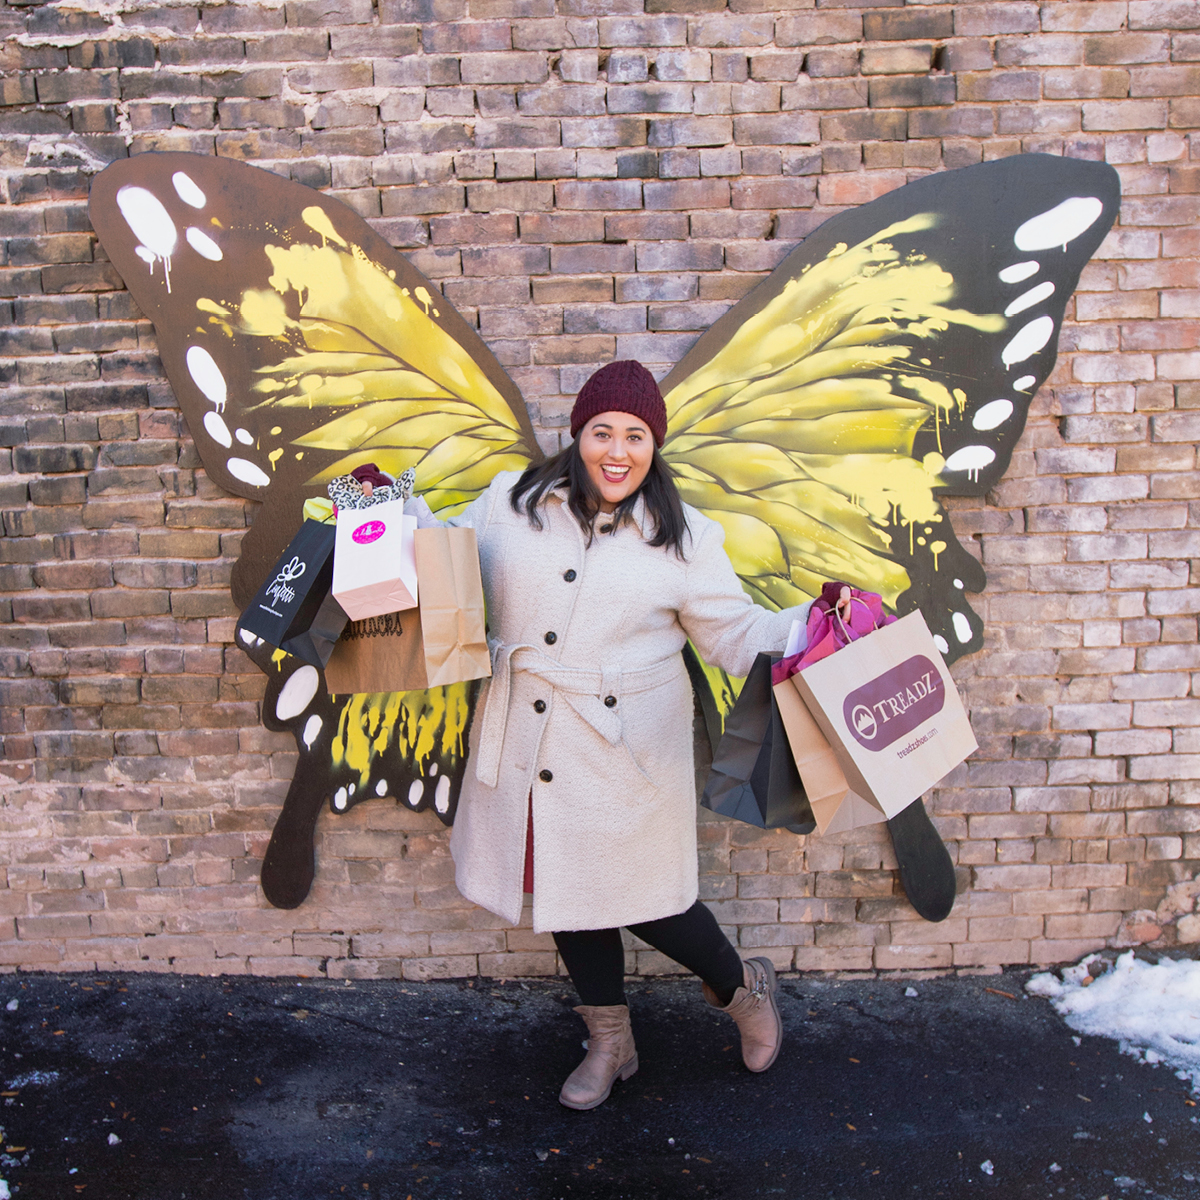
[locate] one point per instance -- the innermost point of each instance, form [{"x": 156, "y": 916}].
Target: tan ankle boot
[
  {"x": 611, "y": 1052},
  {"x": 754, "y": 1009}
]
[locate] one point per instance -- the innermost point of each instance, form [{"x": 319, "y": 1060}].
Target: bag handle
[{"x": 844, "y": 601}]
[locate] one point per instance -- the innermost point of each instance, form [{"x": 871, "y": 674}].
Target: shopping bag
[
  {"x": 443, "y": 640},
  {"x": 378, "y": 654},
  {"x": 453, "y": 626},
  {"x": 753, "y": 776},
  {"x": 374, "y": 562},
  {"x": 294, "y": 609},
  {"x": 890, "y": 711},
  {"x": 836, "y": 807}
]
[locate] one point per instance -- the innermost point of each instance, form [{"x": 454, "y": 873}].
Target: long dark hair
[{"x": 583, "y": 499}]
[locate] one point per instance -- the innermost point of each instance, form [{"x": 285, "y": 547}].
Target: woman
[{"x": 580, "y": 781}]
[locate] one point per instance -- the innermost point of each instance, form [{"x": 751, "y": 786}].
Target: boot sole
[
  {"x": 769, "y": 967},
  {"x": 623, "y": 1073}
]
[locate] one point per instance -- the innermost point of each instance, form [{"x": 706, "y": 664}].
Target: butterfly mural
[{"x": 889, "y": 360}]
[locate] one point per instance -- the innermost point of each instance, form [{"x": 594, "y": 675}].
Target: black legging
[{"x": 596, "y": 958}]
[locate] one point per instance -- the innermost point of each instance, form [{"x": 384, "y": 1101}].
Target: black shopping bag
[
  {"x": 754, "y": 777},
  {"x": 294, "y": 609}
]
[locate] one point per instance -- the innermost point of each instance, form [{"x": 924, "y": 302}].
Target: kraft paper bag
[
  {"x": 443, "y": 640},
  {"x": 294, "y": 609},
  {"x": 891, "y": 713},
  {"x": 379, "y": 654},
  {"x": 753, "y": 776},
  {"x": 453, "y": 625},
  {"x": 374, "y": 561},
  {"x": 836, "y": 807}
]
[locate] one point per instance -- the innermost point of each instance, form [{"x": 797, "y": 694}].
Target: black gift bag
[
  {"x": 754, "y": 777},
  {"x": 294, "y": 609}
]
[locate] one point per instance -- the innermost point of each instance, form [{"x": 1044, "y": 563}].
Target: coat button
[
  {"x": 539, "y": 706},
  {"x": 606, "y": 528},
  {"x": 610, "y": 702},
  {"x": 570, "y": 576},
  {"x": 545, "y": 776},
  {"x": 551, "y": 638}
]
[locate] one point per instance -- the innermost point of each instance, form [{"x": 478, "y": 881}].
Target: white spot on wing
[
  {"x": 151, "y": 224},
  {"x": 381, "y": 788},
  {"x": 188, "y": 190},
  {"x": 441, "y": 798},
  {"x": 1026, "y": 381},
  {"x": 296, "y": 695},
  {"x": 206, "y": 375},
  {"x": 433, "y": 768},
  {"x": 248, "y": 472},
  {"x": 962, "y": 627},
  {"x": 958, "y": 583},
  {"x": 1028, "y": 341},
  {"x": 1028, "y": 299},
  {"x": 203, "y": 244},
  {"x": 970, "y": 458},
  {"x": 1019, "y": 271},
  {"x": 415, "y": 790},
  {"x": 244, "y": 436},
  {"x": 1060, "y": 225},
  {"x": 339, "y": 799},
  {"x": 312, "y": 727},
  {"x": 214, "y": 423},
  {"x": 994, "y": 413},
  {"x": 941, "y": 643}
]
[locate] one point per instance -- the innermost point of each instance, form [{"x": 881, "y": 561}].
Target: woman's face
[{"x": 617, "y": 450}]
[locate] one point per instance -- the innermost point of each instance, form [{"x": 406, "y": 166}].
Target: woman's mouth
[{"x": 612, "y": 473}]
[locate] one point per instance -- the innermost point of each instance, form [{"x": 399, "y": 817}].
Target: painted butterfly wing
[
  {"x": 410, "y": 745},
  {"x": 889, "y": 359},
  {"x": 300, "y": 344}
]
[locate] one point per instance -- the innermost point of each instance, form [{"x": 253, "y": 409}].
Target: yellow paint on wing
[
  {"x": 829, "y": 373},
  {"x": 316, "y": 218},
  {"x": 423, "y": 727}
]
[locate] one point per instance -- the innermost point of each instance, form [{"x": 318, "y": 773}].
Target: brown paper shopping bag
[
  {"x": 451, "y": 607},
  {"x": 891, "y": 713},
  {"x": 836, "y": 806},
  {"x": 443, "y": 640}
]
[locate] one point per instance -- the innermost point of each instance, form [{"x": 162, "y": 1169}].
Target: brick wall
[{"x": 585, "y": 180}]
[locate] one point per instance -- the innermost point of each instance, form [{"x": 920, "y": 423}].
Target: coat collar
[{"x": 641, "y": 517}]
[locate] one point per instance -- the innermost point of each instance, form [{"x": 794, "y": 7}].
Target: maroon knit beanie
[{"x": 626, "y": 387}]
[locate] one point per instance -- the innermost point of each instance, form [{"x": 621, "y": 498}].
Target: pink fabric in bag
[{"x": 830, "y": 626}]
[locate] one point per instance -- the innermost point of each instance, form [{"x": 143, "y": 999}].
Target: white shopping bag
[{"x": 374, "y": 560}]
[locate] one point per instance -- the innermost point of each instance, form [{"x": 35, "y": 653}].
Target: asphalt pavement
[{"x": 166, "y": 1088}]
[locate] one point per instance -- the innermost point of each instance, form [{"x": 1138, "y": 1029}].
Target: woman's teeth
[{"x": 614, "y": 474}]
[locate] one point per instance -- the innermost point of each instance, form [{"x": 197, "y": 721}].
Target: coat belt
[{"x": 583, "y": 690}]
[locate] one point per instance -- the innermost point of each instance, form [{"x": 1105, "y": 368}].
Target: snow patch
[{"x": 1152, "y": 1010}]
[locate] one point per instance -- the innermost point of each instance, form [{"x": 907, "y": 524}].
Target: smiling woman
[{"x": 582, "y": 789}]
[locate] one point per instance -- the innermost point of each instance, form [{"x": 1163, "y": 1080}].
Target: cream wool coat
[{"x": 589, "y": 710}]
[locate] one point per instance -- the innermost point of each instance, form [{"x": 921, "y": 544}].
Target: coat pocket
[{"x": 656, "y": 738}]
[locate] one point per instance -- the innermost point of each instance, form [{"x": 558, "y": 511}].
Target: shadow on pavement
[{"x": 161, "y": 1088}]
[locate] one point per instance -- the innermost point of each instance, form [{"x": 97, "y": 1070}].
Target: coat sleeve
[
  {"x": 477, "y": 515},
  {"x": 725, "y": 625}
]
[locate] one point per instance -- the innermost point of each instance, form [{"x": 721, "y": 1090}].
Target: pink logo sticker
[{"x": 368, "y": 532}]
